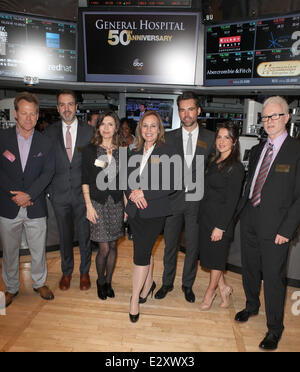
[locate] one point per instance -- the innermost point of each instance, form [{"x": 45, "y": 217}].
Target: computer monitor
[{"x": 37, "y": 47}]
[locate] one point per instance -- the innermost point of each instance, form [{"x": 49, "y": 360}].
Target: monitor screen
[
  {"x": 137, "y": 106},
  {"x": 158, "y": 48},
  {"x": 258, "y": 52},
  {"x": 32, "y": 46},
  {"x": 142, "y": 3}
]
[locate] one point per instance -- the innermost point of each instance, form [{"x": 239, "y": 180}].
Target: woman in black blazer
[
  {"x": 223, "y": 183},
  {"x": 148, "y": 202}
]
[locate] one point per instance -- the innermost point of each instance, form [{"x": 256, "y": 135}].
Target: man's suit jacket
[
  {"x": 205, "y": 146},
  {"x": 66, "y": 182},
  {"x": 36, "y": 177},
  {"x": 280, "y": 196},
  {"x": 157, "y": 198}
]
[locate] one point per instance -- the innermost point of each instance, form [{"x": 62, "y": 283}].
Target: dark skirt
[
  {"x": 213, "y": 255},
  {"x": 145, "y": 232},
  {"x": 110, "y": 225}
]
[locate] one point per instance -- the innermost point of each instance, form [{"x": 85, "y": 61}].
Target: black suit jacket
[
  {"x": 222, "y": 193},
  {"x": 156, "y": 197},
  {"x": 205, "y": 146},
  {"x": 66, "y": 182},
  {"x": 280, "y": 197},
  {"x": 36, "y": 177}
]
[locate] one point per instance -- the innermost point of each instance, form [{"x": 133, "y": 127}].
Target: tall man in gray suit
[
  {"x": 70, "y": 137},
  {"x": 189, "y": 140},
  {"x": 26, "y": 169}
]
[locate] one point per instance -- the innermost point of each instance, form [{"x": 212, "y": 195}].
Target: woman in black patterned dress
[{"x": 104, "y": 202}]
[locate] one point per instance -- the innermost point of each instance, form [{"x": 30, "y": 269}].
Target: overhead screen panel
[
  {"x": 258, "y": 52},
  {"x": 32, "y": 46},
  {"x": 66, "y": 9},
  {"x": 159, "y": 48}
]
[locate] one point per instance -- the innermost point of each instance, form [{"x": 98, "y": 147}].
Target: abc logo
[{"x": 138, "y": 64}]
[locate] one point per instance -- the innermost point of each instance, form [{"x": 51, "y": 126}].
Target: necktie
[
  {"x": 189, "y": 146},
  {"x": 69, "y": 143},
  {"x": 261, "y": 177}
]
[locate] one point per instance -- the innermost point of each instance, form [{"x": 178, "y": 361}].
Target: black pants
[
  {"x": 263, "y": 259},
  {"x": 67, "y": 215},
  {"x": 185, "y": 212},
  {"x": 145, "y": 232}
]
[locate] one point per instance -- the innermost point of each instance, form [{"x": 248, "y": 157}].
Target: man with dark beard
[
  {"x": 70, "y": 136},
  {"x": 190, "y": 140}
]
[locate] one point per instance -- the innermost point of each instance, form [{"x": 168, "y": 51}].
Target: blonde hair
[{"x": 138, "y": 133}]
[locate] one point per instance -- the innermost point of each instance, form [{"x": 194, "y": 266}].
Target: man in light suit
[
  {"x": 270, "y": 216},
  {"x": 26, "y": 168},
  {"x": 189, "y": 140},
  {"x": 70, "y": 137}
]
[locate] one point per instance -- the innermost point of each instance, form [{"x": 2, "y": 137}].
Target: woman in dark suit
[
  {"x": 148, "y": 203},
  {"x": 223, "y": 184}
]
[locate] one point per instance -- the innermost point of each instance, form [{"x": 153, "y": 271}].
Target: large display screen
[
  {"x": 258, "y": 52},
  {"x": 133, "y": 47},
  {"x": 142, "y": 3},
  {"x": 42, "y": 48},
  {"x": 137, "y": 106}
]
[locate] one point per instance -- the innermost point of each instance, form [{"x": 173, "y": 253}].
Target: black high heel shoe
[
  {"x": 109, "y": 291},
  {"x": 134, "y": 318},
  {"x": 143, "y": 300},
  {"x": 101, "y": 290}
]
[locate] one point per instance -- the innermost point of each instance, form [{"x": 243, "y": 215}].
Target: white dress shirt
[
  {"x": 73, "y": 132},
  {"x": 146, "y": 156}
]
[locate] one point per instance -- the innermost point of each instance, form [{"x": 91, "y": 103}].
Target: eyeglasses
[{"x": 273, "y": 117}]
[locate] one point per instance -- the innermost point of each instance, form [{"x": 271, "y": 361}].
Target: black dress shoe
[
  {"x": 162, "y": 292},
  {"x": 101, "y": 290},
  {"x": 109, "y": 291},
  {"x": 133, "y": 317},
  {"x": 270, "y": 342},
  {"x": 188, "y": 293},
  {"x": 244, "y": 315},
  {"x": 143, "y": 300}
]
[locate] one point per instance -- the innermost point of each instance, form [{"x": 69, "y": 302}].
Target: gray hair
[{"x": 277, "y": 100}]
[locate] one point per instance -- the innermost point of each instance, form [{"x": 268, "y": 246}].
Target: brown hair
[
  {"x": 161, "y": 135},
  {"x": 66, "y": 91},
  {"x": 97, "y": 138},
  {"x": 189, "y": 95},
  {"x": 28, "y": 97},
  {"x": 234, "y": 156}
]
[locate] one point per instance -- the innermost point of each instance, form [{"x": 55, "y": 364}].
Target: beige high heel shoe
[
  {"x": 204, "y": 306},
  {"x": 225, "y": 295}
]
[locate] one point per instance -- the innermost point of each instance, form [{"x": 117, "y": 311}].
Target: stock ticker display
[
  {"x": 258, "y": 52},
  {"x": 31, "y": 46}
]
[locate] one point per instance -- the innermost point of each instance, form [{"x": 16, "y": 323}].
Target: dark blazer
[
  {"x": 66, "y": 182},
  {"x": 221, "y": 195},
  {"x": 280, "y": 198},
  {"x": 205, "y": 145},
  {"x": 90, "y": 173},
  {"x": 36, "y": 177},
  {"x": 157, "y": 199}
]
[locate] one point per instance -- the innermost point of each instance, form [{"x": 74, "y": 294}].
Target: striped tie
[{"x": 262, "y": 175}]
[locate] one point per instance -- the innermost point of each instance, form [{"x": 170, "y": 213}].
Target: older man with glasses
[{"x": 270, "y": 216}]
